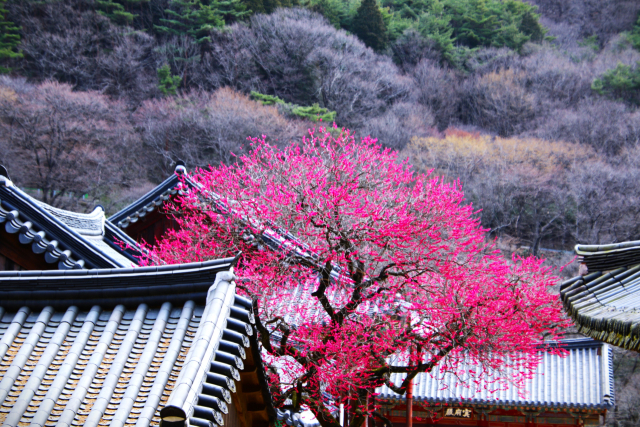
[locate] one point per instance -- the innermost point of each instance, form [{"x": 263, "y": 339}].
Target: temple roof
[
  {"x": 68, "y": 239},
  {"x": 583, "y": 379},
  {"x": 127, "y": 347},
  {"x": 605, "y": 301},
  {"x": 153, "y": 199},
  {"x": 609, "y": 257}
]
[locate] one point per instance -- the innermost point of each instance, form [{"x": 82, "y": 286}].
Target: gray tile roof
[
  {"x": 609, "y": 257},
  {"x": 68, "y": 239},
  {"x": 604, "y": 301},
  {"x": 153, "y": 199},
  {"x": 583, "y": 379},
  {"x": 606, "y": 305},
  {"x": 122, "y": 346}
]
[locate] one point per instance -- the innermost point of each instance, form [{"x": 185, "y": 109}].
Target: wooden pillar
[{"x": 410, "y": 404}]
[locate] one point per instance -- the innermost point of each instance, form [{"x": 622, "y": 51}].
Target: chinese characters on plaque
[{"x": 458, "y": 412}]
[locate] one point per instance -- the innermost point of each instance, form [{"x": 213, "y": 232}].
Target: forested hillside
[{"x": 533, "y": 105}]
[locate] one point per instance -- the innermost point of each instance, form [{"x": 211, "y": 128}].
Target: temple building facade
[{"x": 576, "y": 390}]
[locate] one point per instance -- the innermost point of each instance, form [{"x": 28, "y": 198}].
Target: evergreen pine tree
[
  {"x": 9, "y": 38},
  {"x": 114, "y": 11},
  {"x": 634, "y": 35},
  {"x": 435, "y": 24},
  {"x": 314, "y": 113},
  {"x": 254, "y": 6},
  {"x": 531, "y": 27},
  {"x": 266, "y": 99},
  {"x": 476, "y": 25},
  {"x": 197, "y": 18},
  {"x": 271, "y": 5},
  {"x": 369, "y": 26},
  {"x": 167, "y": 83}
]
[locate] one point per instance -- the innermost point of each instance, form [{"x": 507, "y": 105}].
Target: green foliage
[
  {"x": 191, "y": 17},
  {"x": 458, "y": 25},
  {"x": 254, "y": 6},
  {"x": 167, "y": 83},
  {"x": 473, "y": 23},
  {"x": 335, "y": 11},
  {"x": 313, "y": 113},
  {"x": 195, "y": 18},
  {"x": 622, "y": 82},
  {"x": 509, "y": 23},
  {"x": 369, "y": 26},
  {"x": 434, "y": 24},
  {"x": 590, "y": 42},
  {"x": 115, "y": 11},
  {"x": 265, "y": 99},
  {"x": 530, "y": 25},
  {"x": 634, "y": 35},
  {"x": 267, "y": 6},
  {"x": 9, "y": 39},
  {"x": 339, "y": 13}
]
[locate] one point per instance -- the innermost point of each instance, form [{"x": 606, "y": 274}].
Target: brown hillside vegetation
[{"x": 541, "y": 193}]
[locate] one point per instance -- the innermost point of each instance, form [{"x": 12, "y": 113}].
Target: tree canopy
[
  {"x": 369, "y": 26},
  {"x": 359, "y": 268}
]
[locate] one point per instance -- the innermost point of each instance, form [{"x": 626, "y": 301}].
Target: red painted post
[{"x": 410, "y": 404}]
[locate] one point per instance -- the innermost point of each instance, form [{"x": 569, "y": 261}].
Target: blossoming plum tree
[{"x": 360, "y": 268}]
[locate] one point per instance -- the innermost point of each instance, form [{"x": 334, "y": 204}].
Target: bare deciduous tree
[
  {"x": 399, "y": 124},
  {"x": 65, "y": 144},
  {"x": 499, "y": 102},
  {"x": 297, "y": 55},
  {"x": 206, "y": 129},
  {"x": 437, "y": 88},
  {"x": 604, "y": 125},
  {"x": 603, "y": 18},
  {"x": 626, "y": 371},
  {"x": 73, "y": 44}
]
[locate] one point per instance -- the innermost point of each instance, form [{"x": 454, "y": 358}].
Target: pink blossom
[{"x": 359, "y": 268}]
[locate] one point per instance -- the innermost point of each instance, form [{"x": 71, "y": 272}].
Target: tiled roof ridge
[
  {"x": 153, "y": 199},
  {"x": 610, "y": 256},
  {"x": 111, "y": 272},
  {"x": 114, "y": 237},
  {"x": 586, "y": 249},
  {"x": 571, "y": 343},
  {"x": 184, "y": 396},
  {"x": 90, "y": 224},
  {"x": 110, "y": 287},
  {"x": 214, "y": 359},
  {"x": 46, "y": 233}
]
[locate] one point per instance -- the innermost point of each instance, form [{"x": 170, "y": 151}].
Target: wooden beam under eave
[
  {"x": 251, "y": 393},
  {"x": 241, "y": 408},
  {"x": 260, "y": 419},
  {"x": 250, "y": 380}
]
